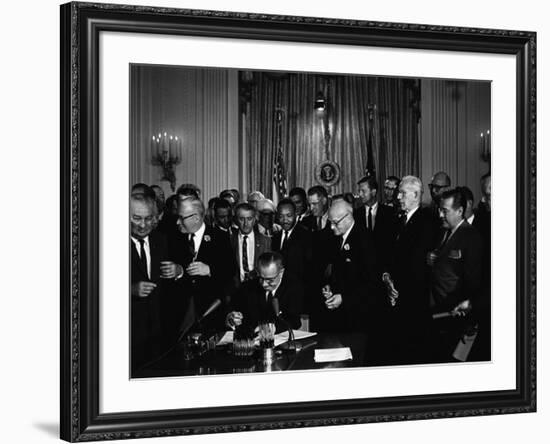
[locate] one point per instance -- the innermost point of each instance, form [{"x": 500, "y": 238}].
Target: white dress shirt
[
  {"x": 373, "y": 214},
  {"x": 250, "y": 244},
  {"x": 147, "y": 249}
]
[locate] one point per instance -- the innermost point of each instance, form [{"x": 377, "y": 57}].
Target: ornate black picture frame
[{"x": 81, "y": 25}]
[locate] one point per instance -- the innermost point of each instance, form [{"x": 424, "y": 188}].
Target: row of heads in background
[
  {"x": 315, "y": 201},
  {"x": 303, "y": 201}
]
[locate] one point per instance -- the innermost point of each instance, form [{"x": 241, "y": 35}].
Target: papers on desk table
[
  {"x": 280, "y": 338},
  {"x": 332, "y": 354}
]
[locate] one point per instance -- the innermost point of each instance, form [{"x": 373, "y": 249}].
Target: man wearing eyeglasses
[
  {"x": 207, "y": 265},
  {"x": 150, "y": 271},
  {"x": 351, "y": 293},
  {"x": 273, "y": 296}
]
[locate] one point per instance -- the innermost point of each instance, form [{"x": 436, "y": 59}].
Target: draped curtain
[{"x": 302, "y": 133}]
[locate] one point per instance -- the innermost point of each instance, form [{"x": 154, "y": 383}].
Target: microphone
[
  {"x": 210, "y": 309},
  {"x": 279, "y": 315}
]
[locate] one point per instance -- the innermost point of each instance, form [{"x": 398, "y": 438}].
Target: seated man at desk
[{"x": 273, "y": 296}]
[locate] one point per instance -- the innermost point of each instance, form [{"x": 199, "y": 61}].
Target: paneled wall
[
  {"x": 198, "y": 105},
  {"x": 453, "y": 116}
]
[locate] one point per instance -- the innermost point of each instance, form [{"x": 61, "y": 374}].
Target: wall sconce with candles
[
  {"x": 485, "y": 146},
  {"x": 166, "y": 152}
]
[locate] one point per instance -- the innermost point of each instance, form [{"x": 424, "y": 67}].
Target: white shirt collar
[
  {"x": 410, "y": 213},
  {"x": 471, "y": 219},
  {"x": 346, "y": 234}
]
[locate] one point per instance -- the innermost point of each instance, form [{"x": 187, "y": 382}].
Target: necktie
[
  {"x": 192, "y": 246},
  {"x": 143, "y": 256},
  {"x": 369, "y": 220},
  {"x": 285, "y": 237},
  {"x": 445, "y": 238},
  {"x": 269, "y": 310},
  {"x": 319, "y": 224},
  {"x": 245, "y": 257}
]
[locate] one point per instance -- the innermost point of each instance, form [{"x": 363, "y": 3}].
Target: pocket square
[{"x": 455, "y": 254}]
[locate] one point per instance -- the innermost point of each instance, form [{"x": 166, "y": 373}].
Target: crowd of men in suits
[{"x": 415, "y": 279}]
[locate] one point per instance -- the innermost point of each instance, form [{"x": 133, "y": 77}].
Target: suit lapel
[{"x": 135, "y": 257}]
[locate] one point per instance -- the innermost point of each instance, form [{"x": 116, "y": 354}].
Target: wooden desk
[{"x": 222, "y": 361}]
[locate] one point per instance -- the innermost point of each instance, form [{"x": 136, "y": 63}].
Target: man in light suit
[
  {"x": 247, "y": 244},
  {"x": 455, "y": 272}
]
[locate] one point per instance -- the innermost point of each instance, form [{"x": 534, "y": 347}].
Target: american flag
[{"x": 279, "y": 177}]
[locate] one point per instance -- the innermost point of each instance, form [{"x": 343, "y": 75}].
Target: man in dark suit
[
  {"x": 208, "y": 266},
  {"x": 378, "y": 220},
  {"x": 247, "y": 244},
  {"x": 299, "y": 197},
  {"x": 322, "y": 240},
  {"x": 273, "y": 296},
  {"x": 408, "y": 278},
  {"x": 150, "y": 270},
  {"x": 293, "y": 241},
  {"x": 391, "y": 185},
  {"x": 455, "y": 272},
  {"x": 351, "y": 293}
]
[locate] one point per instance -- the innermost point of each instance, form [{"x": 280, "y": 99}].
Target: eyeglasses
[
  {"x": 182, "y": 218},
  {"x": 270, "y": 280},
  {"x": 336, "y": 222},
  {"x": 437, "y": 187}
]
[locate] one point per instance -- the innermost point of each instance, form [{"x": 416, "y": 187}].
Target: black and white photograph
[
  {"x": 288, "y": 221},
  {"x": 299, "y": 221}
]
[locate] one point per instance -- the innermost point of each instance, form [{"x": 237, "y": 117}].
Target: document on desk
[
  {"x": 332, "y": 354},
  {"x": 282, "y": 337}
]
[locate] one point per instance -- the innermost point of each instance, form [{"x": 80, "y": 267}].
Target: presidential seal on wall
[{"x": 327, "y": 173}]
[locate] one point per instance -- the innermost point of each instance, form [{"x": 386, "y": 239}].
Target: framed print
[{"x": 229, "y": 115}]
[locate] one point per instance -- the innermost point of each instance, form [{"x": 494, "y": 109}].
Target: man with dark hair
[
  {"x": 188, "y": 190},
  {"x": 484, "y": 205},
  {"x": 378, "y": 220},
  {"x": 141, "y": 188},
  {"x": 391, "y": 185},
  {"x": 247, "y": 244},
  {"x": 230, "y": 196},
  {"x": 223, "y": 216},
  {"x": 272, "y": 296},
  {"x": 150, "y": 268},
  {"x": 455, "y": 272},
  {"x": 317, "y": 197},
  {"x": 294, "y": 242},
  {"x": 207, "y": 262},
  {"x": 299, "y": 197}
]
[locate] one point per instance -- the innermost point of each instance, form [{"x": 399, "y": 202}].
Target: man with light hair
[
  {"x": 151, "y": 272},
  {"x": 407, "y": 282},
  {"x": 207, "y": 261},
  {"x": 351, "y": 292}
]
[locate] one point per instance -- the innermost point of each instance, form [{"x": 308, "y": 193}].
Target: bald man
[{"x": 351, "y": 293}]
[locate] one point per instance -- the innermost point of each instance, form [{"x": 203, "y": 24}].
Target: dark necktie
[
  {"x": 245, "y": 256},
  {"x": 143, "y": 256},
  {"x": 192, "y": 246},
  {"x": 445, "y": 238},
  {"x": 285, "y": 237},
  {"x": 319, "y": 224},
  {"x": 369, "y": 220},
  {"x": 269, "y": 310}
]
